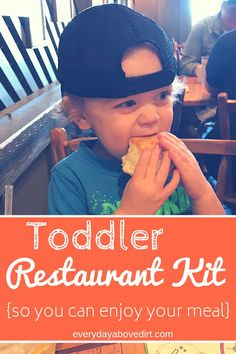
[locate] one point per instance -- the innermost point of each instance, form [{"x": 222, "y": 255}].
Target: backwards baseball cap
[{"x": 91, "y": 49}]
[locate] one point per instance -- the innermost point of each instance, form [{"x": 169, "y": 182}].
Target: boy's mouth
[{"x": 146, "y": 135}]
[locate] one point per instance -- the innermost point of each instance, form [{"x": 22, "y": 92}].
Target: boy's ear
[{"x": 73, "y": 107}]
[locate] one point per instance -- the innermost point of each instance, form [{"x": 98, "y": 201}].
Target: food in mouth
[{"x": 136, "y": 146}]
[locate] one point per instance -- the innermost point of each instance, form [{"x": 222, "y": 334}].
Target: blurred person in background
[
  {"x": 204, "y": 35},
  {"x": 200, "y": 42},
  {"x": 221, "y": 68}
]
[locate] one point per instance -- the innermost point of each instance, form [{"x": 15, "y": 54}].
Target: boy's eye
[
  {"x": 163, "y": 96},
  {"x": 126, "y": 104}
]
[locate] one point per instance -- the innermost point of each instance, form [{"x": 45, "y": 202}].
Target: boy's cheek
[
  {"x": 167, "y": 122},
  {"x": 171, "y": 117}
]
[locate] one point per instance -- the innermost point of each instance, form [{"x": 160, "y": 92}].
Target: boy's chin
[{"x": 105, "y": 152}]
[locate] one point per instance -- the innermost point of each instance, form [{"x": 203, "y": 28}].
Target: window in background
[
  {"x": 63, "y": 10},
  {"x": 201, "y": 9},
  {"x": 129, "y": 3},
  {"x": 97, "y": 2}
]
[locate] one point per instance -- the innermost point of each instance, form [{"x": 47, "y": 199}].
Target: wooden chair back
[
  {"x": 226, "y": 149},
  {"x": 225, "y": 109},
  {"x": 62, "y": 147},
  {"x": 226, "y": 115}
]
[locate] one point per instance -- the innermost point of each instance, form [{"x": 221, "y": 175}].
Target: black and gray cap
[{"x": 91, "y": 48}]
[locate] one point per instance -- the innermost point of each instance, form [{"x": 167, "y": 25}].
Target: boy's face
[{"x": 117, "y": 120}]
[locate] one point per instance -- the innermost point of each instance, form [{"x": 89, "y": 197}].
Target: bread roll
[{"x": 136, "y": 146}]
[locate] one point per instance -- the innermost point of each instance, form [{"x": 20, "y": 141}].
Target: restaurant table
[
  {"x": 144, "y": 348},
  {"x": 195, "y": 92},
  {"x": 101, "y": 348}
]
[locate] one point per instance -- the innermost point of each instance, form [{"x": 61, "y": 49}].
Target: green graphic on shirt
[
  {"x": 178, "y": 203},
  {"x": 109, "y": 209}
]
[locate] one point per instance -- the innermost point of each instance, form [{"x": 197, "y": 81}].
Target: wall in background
[
  {"x": 147, "y": 7},
  {"x": 173, "y": 15}
]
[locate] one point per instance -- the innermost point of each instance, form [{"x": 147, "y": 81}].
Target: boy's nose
[{"x": 148, "y": 115}]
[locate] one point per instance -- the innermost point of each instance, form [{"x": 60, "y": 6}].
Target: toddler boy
[{"x": 116, "y": 67}]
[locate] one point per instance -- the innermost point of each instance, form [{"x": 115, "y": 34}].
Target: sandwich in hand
[{"x": 136, "y": 146}]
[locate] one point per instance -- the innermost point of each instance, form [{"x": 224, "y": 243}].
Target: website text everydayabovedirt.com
[{"x": 122, "y": 335}]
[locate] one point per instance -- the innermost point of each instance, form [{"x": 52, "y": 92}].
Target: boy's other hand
[
  {"x": 147, "y": 190},
  {"x": 199, "y": 190},
  {"x": 190, "y": 172}
]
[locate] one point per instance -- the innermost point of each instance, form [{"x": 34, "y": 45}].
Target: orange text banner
[{"x": 117, "y": 278}]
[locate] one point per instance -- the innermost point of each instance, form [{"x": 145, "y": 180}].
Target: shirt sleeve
[
  {"x": 192, "y": 51},
  {"x": 65, "y": 196}
]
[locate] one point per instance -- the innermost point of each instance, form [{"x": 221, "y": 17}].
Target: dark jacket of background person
[
  {"x": 221, "y": 77},
  {"x": 221, "y": 67}
]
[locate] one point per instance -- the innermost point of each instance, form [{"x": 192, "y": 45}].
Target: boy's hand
[
  {"x": 146, "y": 191},
  {"x": 190, "y": 172},
  {"x": 199, "y": 190}
]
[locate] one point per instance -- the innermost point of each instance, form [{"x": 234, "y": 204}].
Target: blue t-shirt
[{"x": 84, "y": 184}]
